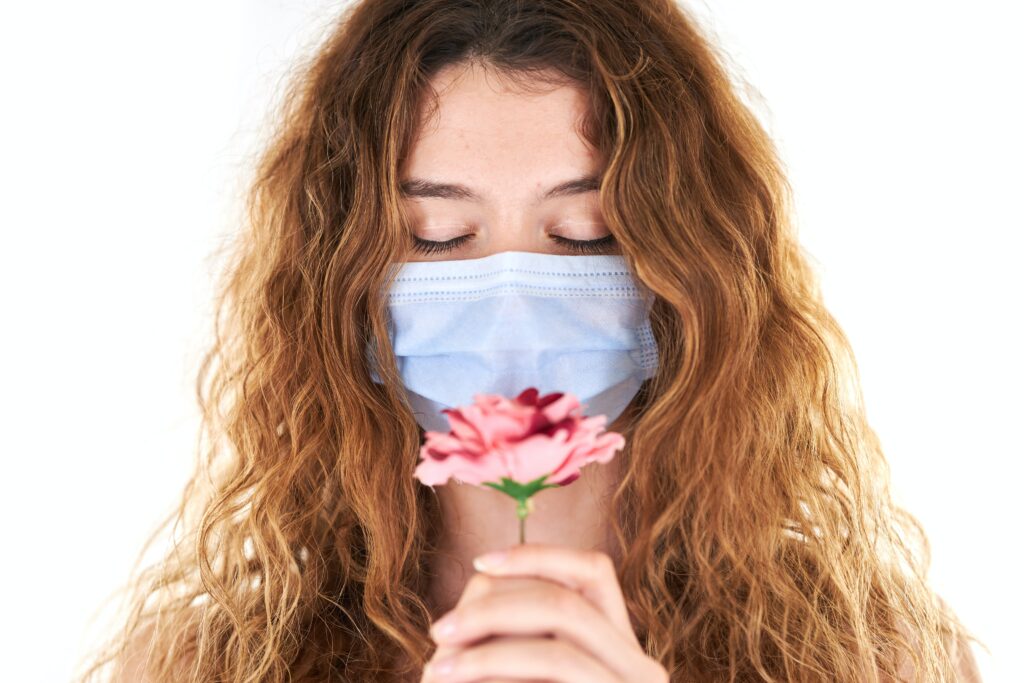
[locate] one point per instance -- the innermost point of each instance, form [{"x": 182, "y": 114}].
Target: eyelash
[{"x": 580, "y": 246}]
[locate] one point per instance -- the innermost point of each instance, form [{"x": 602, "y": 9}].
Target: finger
[
  {"x": 530, "y": 658},
  {"x": 481, "y": 584},
  {"x": 545, "y": 608},
  {"x": 591, "y": 572},
  {"x": 478, "y": 584},
  {"x": 446, "y": 650}
]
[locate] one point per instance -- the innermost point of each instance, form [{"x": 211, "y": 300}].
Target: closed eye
[
  {"x": 433, "y": 247},
  {"x": 586, "y": 246},
  {"x": 581, "y": 246}
]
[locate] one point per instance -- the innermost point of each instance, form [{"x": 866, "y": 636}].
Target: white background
[{"x": 126, "y": 128}]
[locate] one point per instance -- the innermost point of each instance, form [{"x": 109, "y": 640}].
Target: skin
[{"x": 559, "y": 615}]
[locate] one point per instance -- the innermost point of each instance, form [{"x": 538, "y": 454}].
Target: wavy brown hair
[{"x": 758, "y": 537}]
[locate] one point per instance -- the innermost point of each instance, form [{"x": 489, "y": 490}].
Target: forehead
[{"x": 486, "y": 130}]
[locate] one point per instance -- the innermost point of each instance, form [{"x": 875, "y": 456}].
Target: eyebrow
[{"x": 420, "y": 188}]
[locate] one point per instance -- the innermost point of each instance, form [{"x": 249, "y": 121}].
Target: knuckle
[
  {"x": 480, "y": 579},
  {"x": 479, "y": 583},
  {"x": 563, "y": 602},
  {"x": 475, "y": 613}
]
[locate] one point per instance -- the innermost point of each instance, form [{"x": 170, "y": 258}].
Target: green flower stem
[
  {"x": 522, "y": 494},
  {"x": 522, "y": 509}
]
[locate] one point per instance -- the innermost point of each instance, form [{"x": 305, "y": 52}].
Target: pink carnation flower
[{"x": 522, "y": 439}]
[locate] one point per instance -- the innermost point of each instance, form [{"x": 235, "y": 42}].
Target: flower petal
[
  {"x": 467, "y": 470},
  {"x": 537, "y": 454}
]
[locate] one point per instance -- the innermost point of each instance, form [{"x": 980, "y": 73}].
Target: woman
[{"x": 746, "y": 532}]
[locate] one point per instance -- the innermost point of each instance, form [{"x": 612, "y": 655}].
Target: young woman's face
[{"x": 497, "y": 170}]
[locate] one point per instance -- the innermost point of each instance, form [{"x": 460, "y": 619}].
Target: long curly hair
[{"x": 757, "y": 534}]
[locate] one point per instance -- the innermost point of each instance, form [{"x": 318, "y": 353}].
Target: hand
[{"x": 546, "y": 613}]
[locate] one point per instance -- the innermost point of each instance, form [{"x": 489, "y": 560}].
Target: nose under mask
[{"x": 499, "y": 324}]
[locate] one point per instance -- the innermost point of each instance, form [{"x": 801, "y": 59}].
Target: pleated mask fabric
[{"x": 517, "y": 319}]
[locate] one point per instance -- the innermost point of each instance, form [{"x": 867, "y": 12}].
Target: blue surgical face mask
[{"x": 516, "y": 319}]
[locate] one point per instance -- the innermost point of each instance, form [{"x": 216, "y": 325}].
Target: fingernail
[{"x": 490, "y": 560}]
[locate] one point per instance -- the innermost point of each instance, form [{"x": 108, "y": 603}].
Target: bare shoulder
[
  {"x": 960, "y": 651},
  {"x": 963, "y": 656},
  {"x": 966, "y": 664},
  {"x": 133, "y": 665}
]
